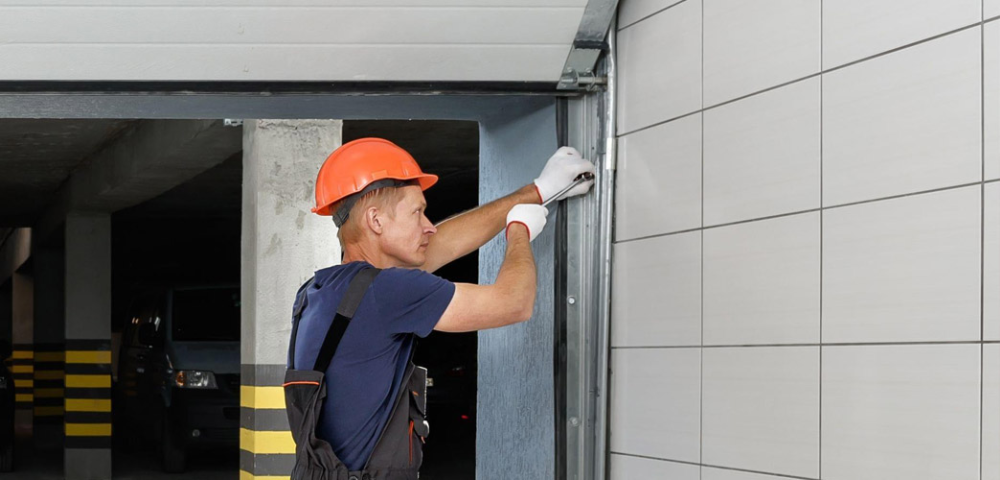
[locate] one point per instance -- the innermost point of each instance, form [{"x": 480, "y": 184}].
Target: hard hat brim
[{"x": 425, "y": 181}]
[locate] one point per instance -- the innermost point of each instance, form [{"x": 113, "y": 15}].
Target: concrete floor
[
  {"x": 456, "y": 464},
  {"x": 48, "y": 465}
]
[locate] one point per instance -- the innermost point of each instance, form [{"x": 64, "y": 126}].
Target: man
[{"x": 356, "y": 323}]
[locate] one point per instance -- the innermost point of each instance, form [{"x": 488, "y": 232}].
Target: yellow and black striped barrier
[
  {"x": 267, "y": 450},
  {"x": 50, "y": 391},
  {"x": 23, "y": 368},
  {"x": 88, "y": 393}
]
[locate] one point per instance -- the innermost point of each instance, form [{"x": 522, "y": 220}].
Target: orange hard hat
[{"x": 361, "y": 166}]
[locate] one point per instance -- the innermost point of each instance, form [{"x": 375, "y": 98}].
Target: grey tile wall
[
  {"x": 893, "y": 126},
  {"x": 659, "y": 399},
  {"x": 991, "y": 261},
  {"x": 808, "y": 262},
  {"x": 660, "y": 65},
  {"x": 855, "y": 29},
  {"x": 657, "y": 290},
  {"x": 761, "y": 409},
  {"x": 762, "y": 282},
  {"x": 901, "y": 411},
  {"x": 762, "y": 155},
  {"x": 991, "y": 412},
  {"x": 991, "y": 98},
  {"x": 750, "y": 46},
  {"x": 637, "y": 10},
  {"x": 628, "y": 467},
  {"x": 903, "y": 270},
  {"x": 991, "y": 9},
  {"x": 708, "y": 473},
  {"x": 661, "y": 170}
]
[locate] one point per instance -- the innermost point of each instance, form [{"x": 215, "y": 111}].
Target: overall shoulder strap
[
  {"x": 345, "y": 312},
  {"x": 301, "y": 299}
]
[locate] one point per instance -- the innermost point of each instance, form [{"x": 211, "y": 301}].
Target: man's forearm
[
  {"x": 465, "y": 233},
  {"x": 517, "y": 277}
]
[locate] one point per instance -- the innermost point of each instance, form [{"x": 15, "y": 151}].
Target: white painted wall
[
  {"x": 807, "y": 251},
  {"x": 276, "y": 40}
]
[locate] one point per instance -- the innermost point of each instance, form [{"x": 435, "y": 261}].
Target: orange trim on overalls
[
  {"x": 411, "y": 442},
  {"x": 299, "y": 383}
]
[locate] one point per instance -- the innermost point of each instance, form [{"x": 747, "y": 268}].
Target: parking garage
[{"x": 125, "y": 318}]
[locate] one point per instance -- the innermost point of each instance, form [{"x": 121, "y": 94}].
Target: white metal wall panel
[
  {"x": 991, "y": 99},
  {"x": 893, "y": 126},
  {"x": 270, "y": 40},
  {"x": 991, "y": 417},
  {"x": 838, "y": 265},
  {"x": 991, "y": 263},
  {"x": 855, "y": 29},
  {"x": 901, "y": 411}
]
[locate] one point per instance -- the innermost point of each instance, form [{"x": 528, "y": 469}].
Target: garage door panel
[
  {"x": 297, "y": 3},
  {"x": 282, "y": 63},
  {"x": 303, "y": 40},
  {"x": 280, "y": 25}
]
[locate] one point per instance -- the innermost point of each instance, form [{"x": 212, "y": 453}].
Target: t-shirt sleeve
[{"x": 412, "y": 301}]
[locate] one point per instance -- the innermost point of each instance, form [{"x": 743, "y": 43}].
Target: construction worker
[{"x": 355, "y": 401}]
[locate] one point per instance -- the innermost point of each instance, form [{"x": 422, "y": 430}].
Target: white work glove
[
  {"x": 560, "y": 171},
  {"x": 531, "y": 216}
]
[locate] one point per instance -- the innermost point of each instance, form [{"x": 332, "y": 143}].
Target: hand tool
[{"x": 580, "y": 179}]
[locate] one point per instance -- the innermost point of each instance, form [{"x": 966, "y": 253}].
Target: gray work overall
[{"x": 398, "y": 453}]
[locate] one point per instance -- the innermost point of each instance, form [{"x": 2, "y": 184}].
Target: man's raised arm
[{"x": 467, "y": 232}]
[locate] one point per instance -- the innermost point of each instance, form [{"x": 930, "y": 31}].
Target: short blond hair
[{"x": 385, "y": 199}]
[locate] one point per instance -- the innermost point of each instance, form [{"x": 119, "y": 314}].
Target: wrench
[{"x": 580, "y": 179}]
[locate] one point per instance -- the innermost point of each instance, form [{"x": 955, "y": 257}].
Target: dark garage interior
[{"x": 188, "y": 240}]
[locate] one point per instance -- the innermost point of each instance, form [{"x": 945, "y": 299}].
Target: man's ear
[{"x": 373, "y": 218}]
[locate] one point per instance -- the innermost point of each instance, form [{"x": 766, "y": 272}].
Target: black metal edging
[{"x": 559, "y": 352}]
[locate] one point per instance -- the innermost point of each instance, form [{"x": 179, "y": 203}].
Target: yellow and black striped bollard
[
  {"x": 23, "y": 368},
  {"x": 267, "y": 450},
  {"x": 88, "y": 394},
  {"x": 50, "y": 390}
]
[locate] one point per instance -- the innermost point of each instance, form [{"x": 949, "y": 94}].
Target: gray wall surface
[
  {"x": 807, "y": 247},
  {"x": 515, "y": 413}
]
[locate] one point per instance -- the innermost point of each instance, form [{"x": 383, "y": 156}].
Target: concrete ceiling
[
  {"x": 443, "y": 147},
  {"x": 37, "y": 156},
  {"x": 216, "y": 192},
  {"x": 446, "y": 148}
]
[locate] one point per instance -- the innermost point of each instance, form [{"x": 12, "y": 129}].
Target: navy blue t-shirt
[{"x": 364, "y": 377}]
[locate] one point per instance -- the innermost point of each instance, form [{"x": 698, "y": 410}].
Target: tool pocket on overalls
[
  {"x": 304, "y": 394},
  {"x": 419, "y": 428}
]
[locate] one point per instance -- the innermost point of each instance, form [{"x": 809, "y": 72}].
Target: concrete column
[
  {"x": 88, "y": 346},
  {"x": 23, "y": 353},
  {"x": 283, "y": 244},
  {"x": 50, "y": 334}
]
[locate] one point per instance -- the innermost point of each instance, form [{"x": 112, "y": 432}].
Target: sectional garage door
[{"x": 278, "y": 40}]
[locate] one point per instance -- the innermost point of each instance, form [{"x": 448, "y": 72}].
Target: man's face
[{"x": 406, "y": 235}]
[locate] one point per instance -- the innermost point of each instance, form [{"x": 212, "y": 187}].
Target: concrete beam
[{"x": 148, "y": 160}]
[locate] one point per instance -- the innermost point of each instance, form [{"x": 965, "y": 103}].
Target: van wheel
[
  {"x": 7, "y": 458},
  {"x": 171, "y": 450}
]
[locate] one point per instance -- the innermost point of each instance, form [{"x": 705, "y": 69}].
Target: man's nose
[{"x": 429, "y": 227}]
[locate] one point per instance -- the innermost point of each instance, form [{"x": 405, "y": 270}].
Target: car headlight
[{"x": 194, "y": 379}]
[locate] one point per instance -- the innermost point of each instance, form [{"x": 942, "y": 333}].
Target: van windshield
[{"x": 206, "y": 315}]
